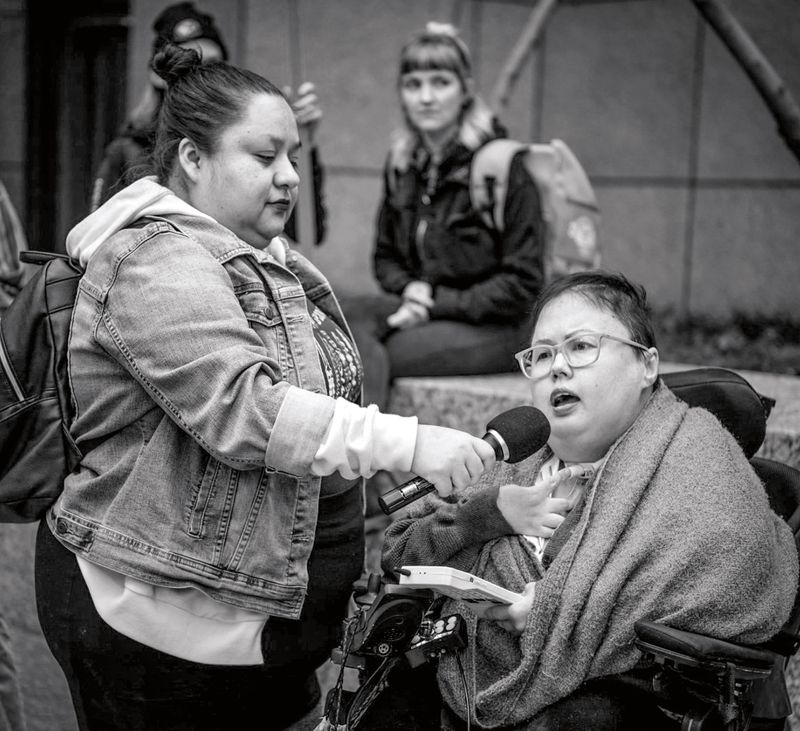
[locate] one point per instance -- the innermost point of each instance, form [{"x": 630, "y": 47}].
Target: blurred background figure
[
  {"x": 456, "y": 295},
  {"x": 127, "y": 156},
  {"x": 13, "y": 273}
]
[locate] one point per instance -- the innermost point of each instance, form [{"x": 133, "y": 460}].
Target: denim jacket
[{"x": 200, "y": 403}]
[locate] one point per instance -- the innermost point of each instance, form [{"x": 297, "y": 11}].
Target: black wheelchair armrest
[{"x": 688, "y": 649}]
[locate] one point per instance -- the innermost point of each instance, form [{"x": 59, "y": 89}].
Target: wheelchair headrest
[{"x": 740, "y": 409}]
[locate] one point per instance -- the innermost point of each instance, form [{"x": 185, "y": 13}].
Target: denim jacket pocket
[
  {"x": 222, "y": 510},
  {"x": 223, "y": 513},
  {"x": 265, "y": 320},
  {"x": 258, "y": 308},
  {"x": 201, "y": 498}
]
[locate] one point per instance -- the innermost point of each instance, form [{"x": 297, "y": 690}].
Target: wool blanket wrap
[{"x": 675, "y": 528}]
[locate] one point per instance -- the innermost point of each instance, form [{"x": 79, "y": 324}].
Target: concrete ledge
[{"x": 468, "y": 402}]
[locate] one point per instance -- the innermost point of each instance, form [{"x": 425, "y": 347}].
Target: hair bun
[
  {"x": 174, "y": 62},
  {"x": 441, "y": 29}
]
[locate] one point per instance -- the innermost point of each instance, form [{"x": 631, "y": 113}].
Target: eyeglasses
[{"x": 579, "y": 351}]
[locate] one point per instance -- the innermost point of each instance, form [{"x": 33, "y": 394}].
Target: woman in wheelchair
[{"x": 671, "y": 525}]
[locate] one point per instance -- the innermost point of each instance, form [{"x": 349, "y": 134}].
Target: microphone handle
[
  {"x": 405, "y": 494},
  {"x": 419, "y": 486}
]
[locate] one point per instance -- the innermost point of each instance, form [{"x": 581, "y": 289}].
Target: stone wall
[{"x": 700, "y": 197}]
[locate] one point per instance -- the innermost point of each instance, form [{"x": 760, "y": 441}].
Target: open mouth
[{"x": 560, "y": 399}]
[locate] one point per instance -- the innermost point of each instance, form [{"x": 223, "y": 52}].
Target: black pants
[
  {"x": 434, "y": 348},
  {"x": 117, "y": 683}
]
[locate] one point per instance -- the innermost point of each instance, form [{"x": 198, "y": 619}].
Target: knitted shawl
[{"x": 675, "y": 528}]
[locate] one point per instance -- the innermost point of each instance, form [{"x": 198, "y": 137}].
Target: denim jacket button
[{"x": 61, "y": 526}]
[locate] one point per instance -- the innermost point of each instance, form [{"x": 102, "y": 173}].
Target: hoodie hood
[{"x": 145, "y": 197}]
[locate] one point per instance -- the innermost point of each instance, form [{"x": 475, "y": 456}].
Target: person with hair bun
[
  {"x": 456, "y": 294},
  {"x": 196, "y": 569},
  {"x": 126, "y": 157}
]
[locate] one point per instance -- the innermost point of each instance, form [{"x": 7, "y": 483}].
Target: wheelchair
[
  {"x": 710, "y": 684},
  {"x": 701, "y": 683}
]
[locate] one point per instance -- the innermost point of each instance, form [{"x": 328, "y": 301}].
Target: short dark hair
[
  {"x": 609, "y": 291},
  {"x": 201, "y": 101}
]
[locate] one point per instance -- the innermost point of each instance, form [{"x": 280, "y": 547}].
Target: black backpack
[{"x": 36, "y": 450}]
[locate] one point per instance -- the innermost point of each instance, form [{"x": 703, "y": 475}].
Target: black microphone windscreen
[{"x": 524, "y": 429}]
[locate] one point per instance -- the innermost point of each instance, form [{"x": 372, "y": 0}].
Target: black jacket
[{"x": 427, "y": 230}]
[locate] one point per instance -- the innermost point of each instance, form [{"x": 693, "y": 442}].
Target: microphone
[{"x": 514, "y": 435}]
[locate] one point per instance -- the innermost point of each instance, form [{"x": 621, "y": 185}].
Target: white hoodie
[{"x": 145, "y": 197}]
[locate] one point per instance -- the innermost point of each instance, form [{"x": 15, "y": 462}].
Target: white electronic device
[{"x": 456, "y": 584}]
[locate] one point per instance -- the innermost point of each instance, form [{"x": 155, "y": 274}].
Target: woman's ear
[
  {"x": 651, "y": 363},
  {"x": 189, "y": 158}
]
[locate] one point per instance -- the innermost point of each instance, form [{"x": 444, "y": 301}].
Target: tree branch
[
  {"x": 768, "y": 83},
  {"x": 513, "y": 65}
]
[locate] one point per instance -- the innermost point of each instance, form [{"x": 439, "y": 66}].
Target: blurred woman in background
[{"x": 457, "y": 294}]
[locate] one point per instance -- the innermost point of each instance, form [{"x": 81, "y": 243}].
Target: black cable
[
  {"x": 466, "y": 689},
  {"x": 368, "y": 692},
  {"x": 347, "y": 642}
]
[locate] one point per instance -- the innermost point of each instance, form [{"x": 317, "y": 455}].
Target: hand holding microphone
[
  {"x": 449, "y": 458},
  {"x": 511, "y": 436}
]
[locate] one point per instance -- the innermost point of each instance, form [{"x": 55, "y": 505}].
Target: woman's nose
[
  {"x": 425, "y": 93},
  {"x": 286, "y": 175},
  {"x": 560, "y": 364}
]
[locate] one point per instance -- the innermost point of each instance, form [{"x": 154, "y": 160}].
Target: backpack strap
[
  {"x": 488, "y": 179},
  {"x": 33, "y": 256},
  {"x": 390, "y": 173}
]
